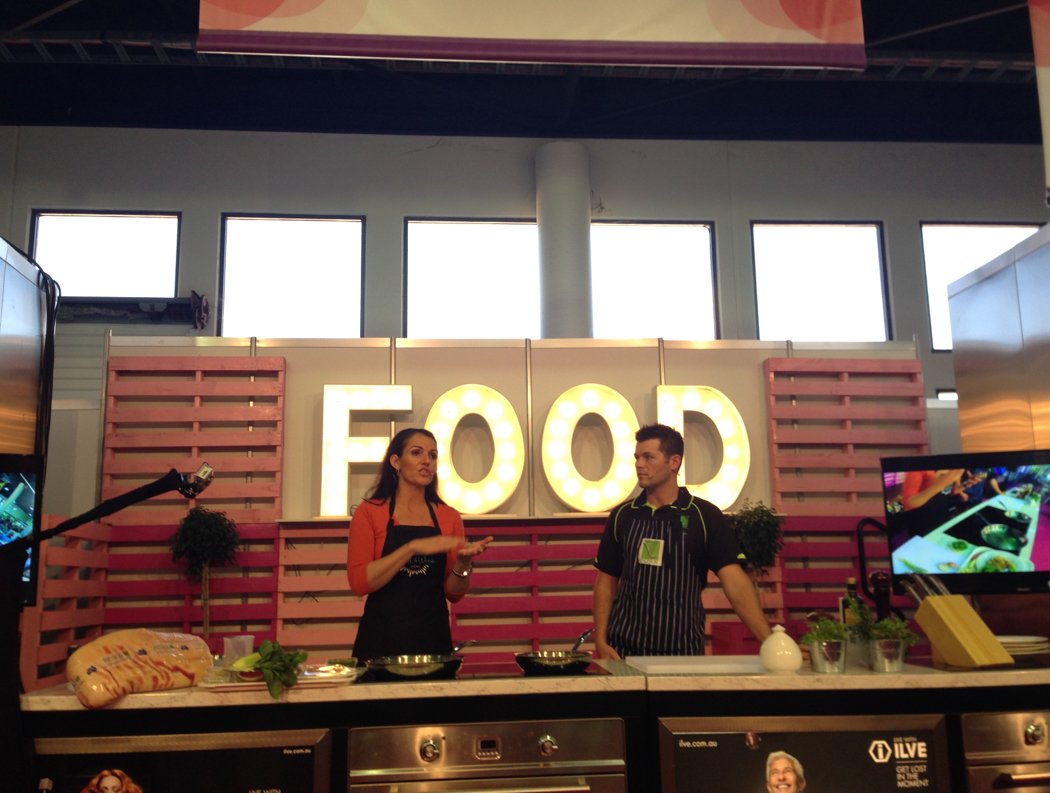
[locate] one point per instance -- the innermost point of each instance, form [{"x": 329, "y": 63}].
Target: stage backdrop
[{"x": 795, "y": 33}]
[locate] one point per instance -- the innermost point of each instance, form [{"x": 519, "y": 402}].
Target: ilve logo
[{"x": 880, "y": 751}]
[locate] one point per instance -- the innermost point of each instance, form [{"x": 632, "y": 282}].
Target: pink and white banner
[
  {"x": 1039, "y": 11},
  {"x": 790, "y": 33}
]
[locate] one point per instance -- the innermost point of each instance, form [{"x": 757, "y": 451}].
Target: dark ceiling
[{"x": 937, "y": 71}]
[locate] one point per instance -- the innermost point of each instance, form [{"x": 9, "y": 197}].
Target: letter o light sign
[
  {"x": 476, "y": 498},
  {"x": 569, "y": 485}
]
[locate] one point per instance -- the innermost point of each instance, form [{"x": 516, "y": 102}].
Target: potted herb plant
[
  {"x": 757, "y": 529},
  {"x": 891, "y": 639},
  {"x": 205, "y": 538},
  {"x": 858, "y": 622},
  {"x": 827, "y": 645}
]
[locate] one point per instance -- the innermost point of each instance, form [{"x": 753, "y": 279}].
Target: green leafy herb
[
  {"x": 893, "y": 628},
  {"x": 825, "y": 630},
  {"x": 279, "y": 667}
]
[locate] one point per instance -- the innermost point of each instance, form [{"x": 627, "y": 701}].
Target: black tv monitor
[
  {"x": 20, "y": 499},
  {"x": 981, "y": 522}
]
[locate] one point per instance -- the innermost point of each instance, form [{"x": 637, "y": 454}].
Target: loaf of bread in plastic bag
[{"x": 136, "y": 659}]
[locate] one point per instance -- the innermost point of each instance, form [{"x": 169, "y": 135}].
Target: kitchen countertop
[
  {"x": 620, "y": 678},
  {"x": 61, "y": 697}
]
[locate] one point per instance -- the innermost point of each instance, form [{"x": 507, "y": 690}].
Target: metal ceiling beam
[{"x": 882, "y": 65}]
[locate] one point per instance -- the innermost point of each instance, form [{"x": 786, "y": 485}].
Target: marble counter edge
[
  {"x": 913, "y": 677},
  {"x": 60, "y": 698}
]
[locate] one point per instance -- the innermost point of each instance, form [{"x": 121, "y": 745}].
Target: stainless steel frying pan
[
  {"x": 559, "y": 662},
  {"x": 417, "y": 667}
]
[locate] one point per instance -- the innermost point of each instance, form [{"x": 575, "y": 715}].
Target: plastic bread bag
[{"x": 126, "y": 661}]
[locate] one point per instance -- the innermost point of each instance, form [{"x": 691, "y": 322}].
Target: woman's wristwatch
[{"x": 462, "y": 575}]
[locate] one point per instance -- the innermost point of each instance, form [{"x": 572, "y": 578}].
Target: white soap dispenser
[{"x": 779, "y": 652}]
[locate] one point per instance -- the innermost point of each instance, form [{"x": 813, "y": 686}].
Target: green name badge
[{"x": 651, "y": 552}]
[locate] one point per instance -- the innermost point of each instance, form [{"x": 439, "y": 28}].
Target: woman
[
  {"x": 407, "y": 554},
  {"x": 114, "y": 781}
]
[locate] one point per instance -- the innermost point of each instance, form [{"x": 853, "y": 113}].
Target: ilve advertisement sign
[{"x": 867, "y": 754}]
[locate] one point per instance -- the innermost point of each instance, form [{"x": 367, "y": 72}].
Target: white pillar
[{"x": 563, "y": 214}]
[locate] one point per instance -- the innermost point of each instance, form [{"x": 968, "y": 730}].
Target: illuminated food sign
[{"x": 340, "y": 449}]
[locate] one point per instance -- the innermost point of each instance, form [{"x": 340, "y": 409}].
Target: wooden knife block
[{"x": 957, "y": 635}]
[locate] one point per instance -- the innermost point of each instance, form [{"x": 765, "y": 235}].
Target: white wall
[{"x": 385, "y": 178}]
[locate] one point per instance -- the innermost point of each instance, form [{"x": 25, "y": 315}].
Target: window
[
  {"x": 109, "y": 255},
  {"x": 819, "y": 282},
  {"x": 950, "y": 252},
  {"x": 676, "y": 257},
  {"x": 285, "y": 277},
  {"x": 471, "y": 280}
]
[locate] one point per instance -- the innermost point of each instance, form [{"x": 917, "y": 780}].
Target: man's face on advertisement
[{"x": 782, "y": 778}]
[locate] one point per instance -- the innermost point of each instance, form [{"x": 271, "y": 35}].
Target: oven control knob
[
  {"x": 548, "y": 746},
  {"x": 429, "y": 751},
  {"x": 1034, "y": 733}
]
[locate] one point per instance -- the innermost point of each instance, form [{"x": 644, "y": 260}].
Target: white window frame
[
  {"x": 406, "y": 279},
  {"x": 227, "y": 216},
  {"x": 926, "y": 275},
  {"x": 712, "y": 274},
  {"x": 116, "y": 213},
  {"x": 883, "y": 281}
]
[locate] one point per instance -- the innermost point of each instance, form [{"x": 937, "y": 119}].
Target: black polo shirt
[{"x": 708, "y": 538}]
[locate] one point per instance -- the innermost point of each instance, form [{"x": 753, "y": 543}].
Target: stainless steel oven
[
  {"x": 1007, "y": 751},
  {"x": 558, "y": 756}
]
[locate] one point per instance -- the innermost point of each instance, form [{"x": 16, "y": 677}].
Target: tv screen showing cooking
[
  {"x": 20, "y": 511},
  {"x": 979, "y": 521}
]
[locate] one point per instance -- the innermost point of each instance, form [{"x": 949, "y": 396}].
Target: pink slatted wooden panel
[
  {"x": 166, "y": 412},
  {"x": 829, "y": 422},
  {"x": 146, "y": 589},
  {"x": 543, "y": 596},
  {"x": 316, "y": 611},
  {"x": 69, "y": 610},
  {"x": 820, "y": 553}
]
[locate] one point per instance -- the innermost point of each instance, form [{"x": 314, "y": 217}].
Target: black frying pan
[
  {"x": 417, "y": 667},
  {"x": 558, "y": 662}
]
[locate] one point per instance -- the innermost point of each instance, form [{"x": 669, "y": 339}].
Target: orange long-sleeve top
[{"x": 368, "y": 533}]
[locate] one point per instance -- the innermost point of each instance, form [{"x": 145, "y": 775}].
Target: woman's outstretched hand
[
  {"x": 472, "y": 549},
  {"x": 438, "y": 543}
]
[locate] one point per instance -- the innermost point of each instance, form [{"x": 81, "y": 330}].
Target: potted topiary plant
[
  {"x": 757, "y": 529},
  {"x": 205, "y": 538}
]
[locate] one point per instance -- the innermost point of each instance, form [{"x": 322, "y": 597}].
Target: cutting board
[{"x": 697, "y": 664}]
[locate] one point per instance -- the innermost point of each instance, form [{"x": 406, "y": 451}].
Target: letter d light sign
[{"x": 672, "y": 403}]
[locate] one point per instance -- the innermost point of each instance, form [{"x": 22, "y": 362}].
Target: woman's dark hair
[{"x": 386, "y": 483}]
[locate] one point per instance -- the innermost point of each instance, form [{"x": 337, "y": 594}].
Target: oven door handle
[
  {"x": 1027, "y": 779},
  {"x": 536, "y": 789}
]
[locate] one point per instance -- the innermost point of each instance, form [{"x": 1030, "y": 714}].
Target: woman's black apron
[{"x": 409, "y": 614}]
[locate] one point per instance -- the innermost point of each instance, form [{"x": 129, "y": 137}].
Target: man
[
  {"x": 784, "y": 774},
  {"x": 653, "y": 561}
]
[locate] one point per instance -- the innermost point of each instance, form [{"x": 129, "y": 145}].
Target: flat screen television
[
  {"x": 28, "y": 301},
  {"x": 981, "y": 522},
  {"x": 20, "y": 498}
]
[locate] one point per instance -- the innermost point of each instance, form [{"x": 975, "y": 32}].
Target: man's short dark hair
[{"x": 671, "y": 441}]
